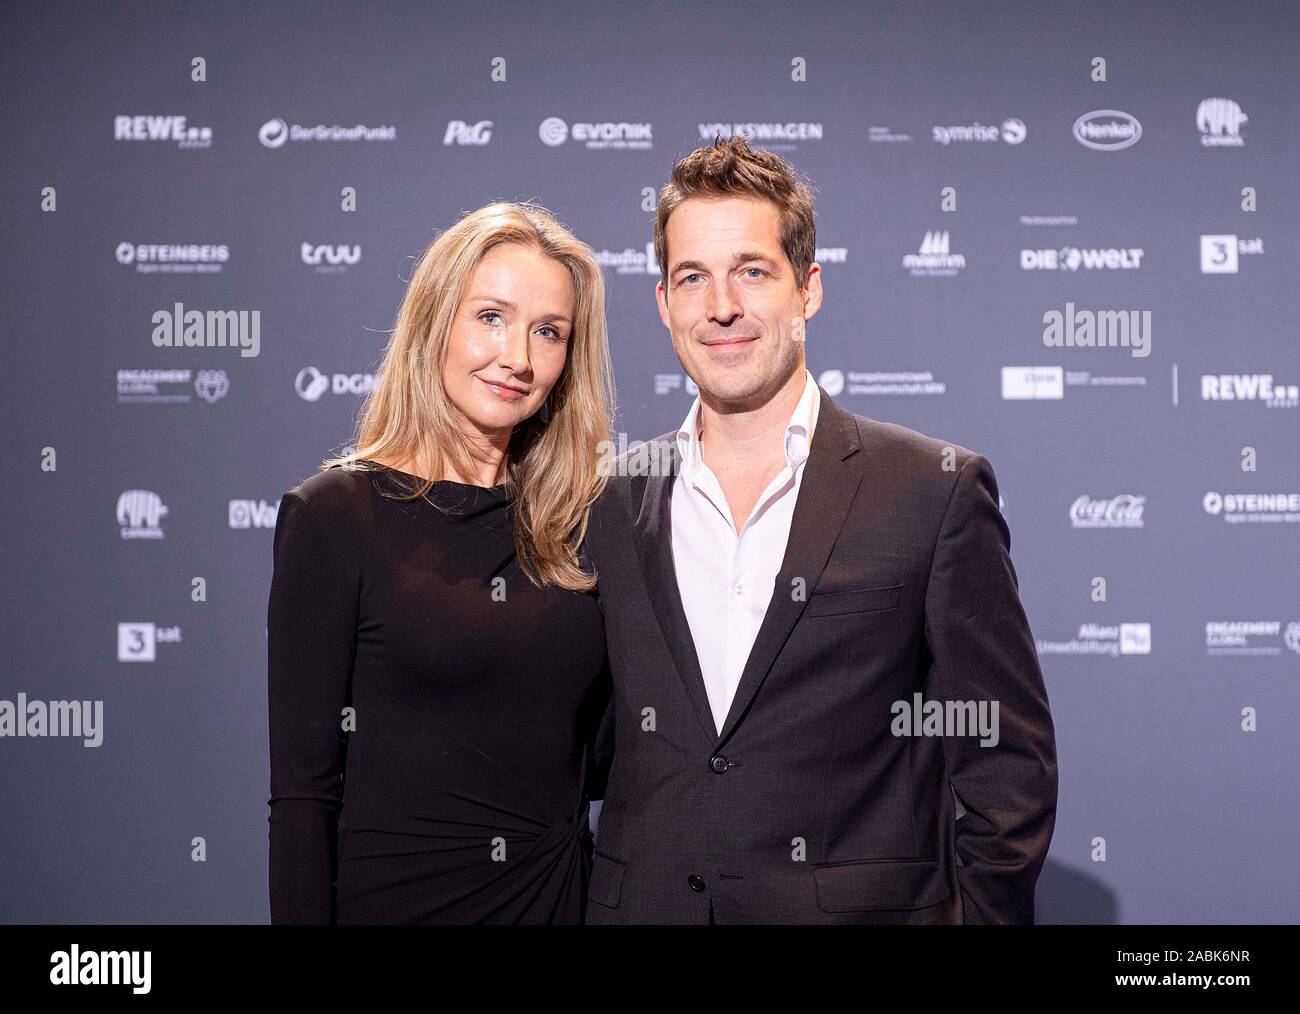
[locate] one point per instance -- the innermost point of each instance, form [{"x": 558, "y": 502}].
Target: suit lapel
[
  {"x": 653, "y": 539},
  {"x": 832, "y": 475}
]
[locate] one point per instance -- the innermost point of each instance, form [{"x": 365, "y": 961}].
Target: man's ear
[{"x": 661, "y": 300}]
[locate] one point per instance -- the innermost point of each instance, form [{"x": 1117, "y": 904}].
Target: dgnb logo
[
  {"x": 1220, "y": 122},
  {"x": 140, "y": 513},
  {"x": 253, "y": 513},
  {"x": 460, "y": 132},
  {"x": 312, "y": 385}
]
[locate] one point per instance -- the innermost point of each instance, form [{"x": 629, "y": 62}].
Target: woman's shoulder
[{"x": 334, "y": 493}]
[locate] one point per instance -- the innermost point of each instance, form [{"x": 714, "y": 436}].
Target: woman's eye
[
  {"x": 555, "y": 335},
  {"x": 488, "y": 313}
]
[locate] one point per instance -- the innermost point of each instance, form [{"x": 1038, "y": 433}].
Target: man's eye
[
  {"x": 693, "y": 274},
  {"x": 759, "y": 270}
]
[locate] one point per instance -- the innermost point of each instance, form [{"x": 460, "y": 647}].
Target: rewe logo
[
  {"x": 161, "y": 128},
  {"x": 252, "y": 513},
  {"x": 1249, "y": 387},
  {"x": 460, "y": 132},
  {"x": 1220, "y": 122}
]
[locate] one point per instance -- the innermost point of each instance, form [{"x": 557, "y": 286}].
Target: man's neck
[{"x": 746, "y": 441}]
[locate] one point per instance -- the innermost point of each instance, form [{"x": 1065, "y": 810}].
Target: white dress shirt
[{"x": 726, "y": 578}]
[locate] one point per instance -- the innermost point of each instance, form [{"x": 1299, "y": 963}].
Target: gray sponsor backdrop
[{"x": 1166, "y": 466}]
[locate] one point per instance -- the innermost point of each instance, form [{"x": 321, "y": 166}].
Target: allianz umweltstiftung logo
[
  {"x": 1220, "y": 122},
  {"x": 173, "y": 258},
  {"x": 138, "y": 642},
  {"x": 1261, "y": 388},
  {"x": 1122, "y": 511},
  {"x": 1073, "y": 258},
  {"x": 312, "y": 385},
  {"x": 878, "y": 383},
  {"x": 460, "y": 132},
  {"x": 179, "y": 328},
  {"x": 175, "y": 387},
  {"x": 608, "y": 135},
  {"x": 934, "y": 258},
  {"x": 1107, "y": 130},
  {"x": 1011, "y": 131},
  {"x": 1102, "y": 639},
  {"x": 1253, "y": 508},
  {"x": 174, "y": 129},
  {"x": 275, "y": 133},
  {"x": 784, "y": 136},
  {"x": 1221, "y": 253},
  {"x": 140, "y": 513}
]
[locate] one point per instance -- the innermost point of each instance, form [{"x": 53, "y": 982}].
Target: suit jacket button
[
  {"x": 719, "y": 765},
  {"x": 696, "y": 882}
]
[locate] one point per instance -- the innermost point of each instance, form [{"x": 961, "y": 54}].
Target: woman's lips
[{"x": 503, "y": 392}]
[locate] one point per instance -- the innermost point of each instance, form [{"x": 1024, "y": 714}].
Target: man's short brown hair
[{"x": 731, "y": 168}]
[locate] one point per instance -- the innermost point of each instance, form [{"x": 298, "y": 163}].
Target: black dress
[{"x": 455, "y": 789}]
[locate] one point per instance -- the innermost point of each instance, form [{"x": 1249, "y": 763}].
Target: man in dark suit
[{"x": 802, "y": 607}]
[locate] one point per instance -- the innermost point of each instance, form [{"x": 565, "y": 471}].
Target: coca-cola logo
[{"x": 1123, "y": 511}]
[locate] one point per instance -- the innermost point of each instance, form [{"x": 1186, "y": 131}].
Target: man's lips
[{"x": 728, "y": 342}]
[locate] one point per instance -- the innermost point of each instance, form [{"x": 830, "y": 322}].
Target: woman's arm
[{"x": 311, "y": 637}]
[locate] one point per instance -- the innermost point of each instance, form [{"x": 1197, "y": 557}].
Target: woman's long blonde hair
[{"x": 552, "y": 464}]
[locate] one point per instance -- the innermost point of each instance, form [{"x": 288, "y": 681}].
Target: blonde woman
[{"x": 437, "y": 663}]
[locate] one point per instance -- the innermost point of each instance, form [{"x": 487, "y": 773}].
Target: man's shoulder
[{"x": 910, "y": 449}]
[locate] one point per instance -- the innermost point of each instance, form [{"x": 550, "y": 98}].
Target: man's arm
[{"x": 984, "y": 651}]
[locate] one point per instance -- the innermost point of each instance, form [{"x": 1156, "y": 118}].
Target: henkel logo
[
  {"x": 460, "y": 132},
  {"x": 1107, "y": 130},
  {"x": 1220, "y": 122}
]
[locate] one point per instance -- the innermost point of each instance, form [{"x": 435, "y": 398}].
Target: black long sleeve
[
  {"x": 311, "y": 644},
  {"x": 456, "y": 794}
]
